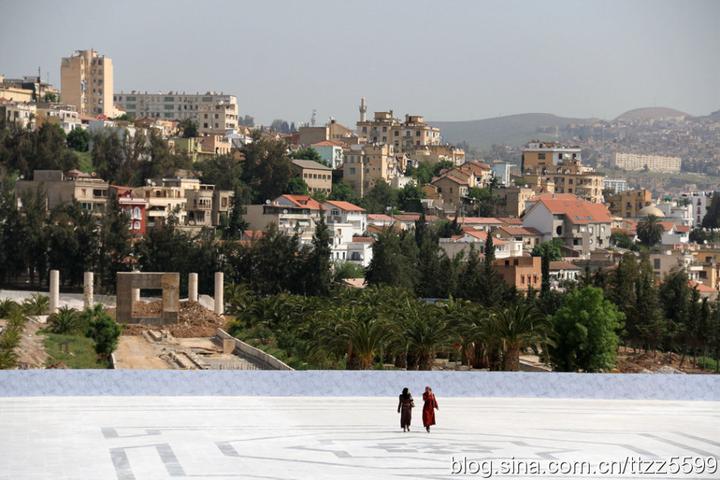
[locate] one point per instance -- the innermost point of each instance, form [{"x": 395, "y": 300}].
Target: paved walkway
[{"x": 163, "y": 438}]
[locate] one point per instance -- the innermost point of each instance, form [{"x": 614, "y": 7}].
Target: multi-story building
[
  {"x": 433, "y": 154},
  {"x": 699, "y": 203},
  {"x": 331, "y": 152},
  {"x": 453, "y": 185},
  {"x": 212, "y": 112},
  {"x": 615, "y": 185},
  {"x": 134, "y": 207},
  {"x": 347, "y": 222},
  {"x": 17, "y": 113},
  {"x": 293, "y": 214},
  {"x": 317, "y": 176},
  {"x": 406, "y": 137},
  {"x": 545, "y": 162},
  {"x": 60, "y": 188},
  {"x": 679, "y": 212},
  {"x": 628, "y": 204},
  {"x": 474, "y": 239},
  {"x": 583, "y": 226},
  {"x": 520, "y": 272},
  {"x": 194, "y": 204},
  {"x": 331, "y": 131},
  {"x": 86, "y": 81},
  {"x": 653, "y": 163},
  {"x": 64, "y": 116},
  {"x": 367, "y": 164},
  {"x": 511, "y": 200},
  {"x": 211, "y": 145}
]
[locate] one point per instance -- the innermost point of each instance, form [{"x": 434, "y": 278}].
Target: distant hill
[
  {"x": 509, "y": 130},
  {"x": 651, "y": 113}
]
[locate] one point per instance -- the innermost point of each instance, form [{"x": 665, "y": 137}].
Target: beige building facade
[
  {"x": 366, "y": 164},
  {"x": 628, "y": 204},
  {"x": 60, "y": 188},
  {"x": 317, "y": 176},
  {"x": 212, "y": 112},
  {"x": 86, "y": 81}
]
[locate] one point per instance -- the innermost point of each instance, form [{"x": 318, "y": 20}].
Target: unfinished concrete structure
[{"x": 129, "y": 282}]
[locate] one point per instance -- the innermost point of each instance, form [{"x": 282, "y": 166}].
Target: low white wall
[
  {"x": 264, "y": 359},
  {"x": 369, "y": 383}
]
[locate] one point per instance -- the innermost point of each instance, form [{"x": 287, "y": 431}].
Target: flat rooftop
[{"x": 158, "y": 438}]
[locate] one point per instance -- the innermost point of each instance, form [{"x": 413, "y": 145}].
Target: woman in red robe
[{"x": 429, "y": 407}]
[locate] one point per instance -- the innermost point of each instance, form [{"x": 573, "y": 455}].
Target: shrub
[
  {"x": 105, "y": 332},
  {"x": 66, "y": 320},
  {"x": 37, "y": 304},
  {"x": 7, "y": 307}
]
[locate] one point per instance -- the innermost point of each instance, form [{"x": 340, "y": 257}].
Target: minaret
[{"x": 363, "y": 109}]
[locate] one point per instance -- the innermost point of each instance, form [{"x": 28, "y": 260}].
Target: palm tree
[
  {"x": 360, "y": 333},
  {"x": 518, "y": 327},
  {"x": 426, "y": 332},
  {"x": 649, "y": 231}
]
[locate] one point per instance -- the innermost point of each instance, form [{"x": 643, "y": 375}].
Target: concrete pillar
[
  {"x": 135, "y": 295},
  {"x": 88, "y": 289},
  {"x": 193, "y": 287},
  {"x": 219, "y": 293},
  {"x": 54, "y": 291}
]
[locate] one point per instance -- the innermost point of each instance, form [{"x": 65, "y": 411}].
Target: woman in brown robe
[
  {"x": 405, "y": 407},
  {"x": 429, "y": 406}
]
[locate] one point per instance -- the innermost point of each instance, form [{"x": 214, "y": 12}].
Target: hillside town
[{"x": 99, "y": 180}]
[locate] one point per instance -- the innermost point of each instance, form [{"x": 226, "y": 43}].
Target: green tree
[
  {"x": 318, "y": 262},
  {"x": 78, "y": 139},
  {"x": 712, "y": 215},
  {"x": 189, "y": 128},
  {"x": 622, "y": 240},
  {"x": 391, "y": 264},
  {"x": 297, "y": 186},
  {"x": 266, "y": 169},
  {"x": 380, "y": 198},
  {"x": 409, "y": 198},
  {"x": 343, "y": 191},
  {"x": 105, "y": 332},
  {"x": 649, "y": 231},
  {"x": 482, "y": 201},
  {"x": 518, "y": 327},
  {"x": 548, "y": 252},
  {"x": 585, "y": 332},
  {"x": 236, "y": 224},
  {"x": 115, "y": 245},
  {"x": 223, "y": 171},
  {"x": 307, "y": 153}
]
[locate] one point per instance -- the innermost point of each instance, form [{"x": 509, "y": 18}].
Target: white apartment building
[
  {"x": 654, "y": 163},
  {"x": 347, "y": 221},
  {"x": 213, "y": 112},
  {"x": 18, "y": 113},
  {"x": 699, "y": 202},
  {"x": 616, "y": 185}
]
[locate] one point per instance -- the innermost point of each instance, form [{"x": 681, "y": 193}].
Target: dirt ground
[
  {"x": 194, "y": 320},
  {"x": 31, "y": 350},
  {"x": 135, "y": 352},
  {"x": 657, "y": 362}
]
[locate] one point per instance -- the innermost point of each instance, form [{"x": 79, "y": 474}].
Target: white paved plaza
[{"x": 157, "y": 438}]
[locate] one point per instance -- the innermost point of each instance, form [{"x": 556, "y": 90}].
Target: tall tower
[
  {"x": 363, "y": 109},
  {"x": 86, "y": 81}
]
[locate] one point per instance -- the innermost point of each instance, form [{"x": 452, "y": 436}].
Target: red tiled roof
[
  {"x": 513, "y": 230},
  {"x": 328, "y": 143},
  {"x": 303, "y": 201},
  {"x": 476, "y": 220},
  {"x": 510, "y": 220},
  {"x": 702, "y": 288},
  {"x": 682, "y": 228},
  {"x": 347, "y": 206},
  {"x": 563, "y": 265},
  {"x": 577, "y": 210},
  {"x": 363, "y": 239},
  {"x": 407, "y": 217},
  {"x": 380, "y": 216}
]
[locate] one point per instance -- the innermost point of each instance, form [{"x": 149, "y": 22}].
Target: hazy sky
[{"x": 448, "y": 60}]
